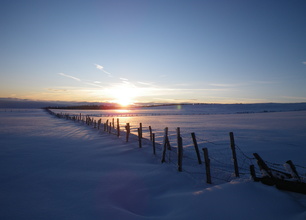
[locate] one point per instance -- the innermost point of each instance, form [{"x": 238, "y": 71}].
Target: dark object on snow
[{"x": 282, "y": 180}]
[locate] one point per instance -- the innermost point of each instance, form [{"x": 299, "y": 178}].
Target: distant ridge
[{"x": 27, "y": 103}]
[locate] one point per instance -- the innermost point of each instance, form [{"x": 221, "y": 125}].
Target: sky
[{"x": 128, "y": 51}]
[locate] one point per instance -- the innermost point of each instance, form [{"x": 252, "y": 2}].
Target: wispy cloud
[
  {"x": 304, "y": 62},
  {"x": 231, "y": 85},
  {"x": 146, "y": 83},
  {"x": 57, "y": 90},
  {"x": 303, "y": 99},
  {"x": 68, "y": 76},
  {"x": 195, "y": 89},
  {"x": 223, "y": 85},
  {"x": 265, "y": 82},
  {"x": 94, "y": 84},
  {"x": 99, "y": 67}
]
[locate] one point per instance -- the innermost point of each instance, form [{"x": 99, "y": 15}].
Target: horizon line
[{"x": 137, "y": 103}]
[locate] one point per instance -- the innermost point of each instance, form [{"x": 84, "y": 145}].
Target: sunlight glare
[
  {"x": 124, "y": 95},
  {"x": 123, "y": 102}
]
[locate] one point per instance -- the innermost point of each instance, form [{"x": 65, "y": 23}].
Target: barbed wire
[{"x": 217, "y": 156}]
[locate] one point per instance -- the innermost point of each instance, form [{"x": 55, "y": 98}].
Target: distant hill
[{"x": 26, "y": 103}]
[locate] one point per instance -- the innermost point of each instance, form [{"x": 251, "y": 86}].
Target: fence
[{"x": 204, "y": 160}]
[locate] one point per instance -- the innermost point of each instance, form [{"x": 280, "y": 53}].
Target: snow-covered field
[{"x": 52, "y": 168}]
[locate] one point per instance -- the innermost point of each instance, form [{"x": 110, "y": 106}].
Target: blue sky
[{"x": 153, "y": 51}]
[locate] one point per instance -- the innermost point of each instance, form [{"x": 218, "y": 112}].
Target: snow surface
[{"x": 52, "y": 168}]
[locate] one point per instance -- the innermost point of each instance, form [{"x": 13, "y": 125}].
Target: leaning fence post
[
  {"x": 265, "y": 170},
  {"x": 234, "y": 154},
  {"x": 291, "y": 168},
  {"x": 207, "y": 165},
  {"x": 179, "y": 150},
  {"x": 139, "y": 138},
  {"x": 113, "y": 120},
  {"x": 195, "y": 143}
]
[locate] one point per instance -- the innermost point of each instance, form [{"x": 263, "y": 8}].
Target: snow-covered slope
[{"x": 56, "y": 169}]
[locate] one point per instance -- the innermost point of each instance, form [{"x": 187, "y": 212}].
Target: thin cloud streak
[
  {"x": 266, "y": 82},
  {"x": 145, "y": 83},
  {"x": 57, "y": 90},
  {"x": 99, "y": 67},
  {"x": 93, "y": 84},
  {"x": 68, "y": 76},
  {"x": 294, "y": 98},
  {"x": 179, "y": 89},
  {"x": 223, "y": 85}
]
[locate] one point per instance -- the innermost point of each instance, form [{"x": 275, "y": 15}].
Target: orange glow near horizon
[
  {"x": 122, "y": 111},
  {"x": 124, "y": 95},
  {"x": 123, "y": 103}
]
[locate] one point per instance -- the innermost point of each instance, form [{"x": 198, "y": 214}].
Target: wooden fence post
[
  {"x": 118, "y": 127},
  {"x": 99, "y": 124},
  {"x": 262, "y": 165},
  {"x": 179, "y": 150},
  {"x": 195, "y": 143},
  {"x": 207, "y": 165},
  {"x": 140, "y": 130},
  {"x": 231, "y": 134},
  {"x": 265, "y": 170},
  {"x": 291, "y": 168},
  {"x": 165, "y": 143},
  {"x": 113, "y": 120},
  {"x": 110, "y": 127},
  {"x": 253, "y": 173},
  {"x": 150, "y": 129},
  {"x": 153, "y": 140},
  {"x": 127, "y": 127},
  {"x": 106, "y": 126},
  {"x": 139, "y": 137}
]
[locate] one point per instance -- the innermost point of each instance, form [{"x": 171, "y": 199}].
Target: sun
[
  {"x": 124, "y": 95},
  {"x": 124, "y": 102}
]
